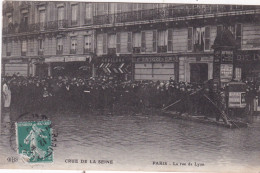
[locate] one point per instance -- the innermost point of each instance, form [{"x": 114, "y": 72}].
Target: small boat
[{"x": 203, "y": 119}]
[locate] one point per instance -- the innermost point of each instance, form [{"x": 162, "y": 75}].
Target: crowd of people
[{"x": 105, "y": 93}]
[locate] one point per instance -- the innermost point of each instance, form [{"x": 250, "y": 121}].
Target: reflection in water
[
  {"x": 141, "y": 139},
  {"x": 5, "y": 121}
]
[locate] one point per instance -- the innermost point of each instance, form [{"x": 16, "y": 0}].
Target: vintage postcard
[{"x": 126, "y": 86}]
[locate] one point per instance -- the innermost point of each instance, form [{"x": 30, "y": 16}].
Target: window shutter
[
  {"x": 73, "y": 43},
  {"x": 74, "y": 14},
  {"x": 239, "y": 35},
  {"x": 143, "y": 46},
  {"x": 24, "y": 46},
  {"x": 219, "y": 29},
  {"x": 105, "y": 8},
  {"x": 40, "y": 44},
  {"x": 118, "y": 7},
  {"x": 104, "y": 43},
  {"x": 154, "y": 41},
  {"x": 59, "y": 44},
  {"x": 207, "y": 38},
  {"x": 60, "y": 13},
  {"x": 42, "y": 16},
  {"x": 118, "y": 39},
  {"x": 9, "y": 46},
  {"x": 91, "y": 44},
  {"x": 190, "y": 35},
  {"x": 86, "y": 45},
  {"x": 89, "y": 11},
  {"x": 129, "y": 42},
  {"x": 170, "y": 40}
]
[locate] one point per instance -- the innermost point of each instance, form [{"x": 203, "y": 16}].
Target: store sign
[
  {"x": 236, "y": 100},
  {"x": 156, "y": 59},
  {"x": 54, "y": 59},
  {"x": 248, "y": 57},
  {"x": 226, "y": 72},
  {"x": 114, "y": 59},
  {"x": 16, "y": 61},
  {"x": 72, "y": 59},
  {"x": 227, "y": 56}
]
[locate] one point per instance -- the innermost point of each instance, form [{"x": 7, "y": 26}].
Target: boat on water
[{"x": 232, "y": 124}]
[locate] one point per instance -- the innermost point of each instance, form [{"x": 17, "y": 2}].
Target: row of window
[
  {"x": 94, "y": 9},
  {"x": 151, "y": 41},
  {"x": 41, "y": 16},
  {"x": 198, "y": 39},
  {"x": 88, "y": 46}
]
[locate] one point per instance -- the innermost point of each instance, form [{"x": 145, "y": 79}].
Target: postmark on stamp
[{"x": 34, "y": 141}]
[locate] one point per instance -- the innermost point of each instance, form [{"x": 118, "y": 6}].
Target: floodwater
[{"x": 148, "y": 141}]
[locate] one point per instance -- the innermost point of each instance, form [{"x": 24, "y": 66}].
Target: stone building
[
  {"x": 47, "y": 38},
  {"x": 129, "y": 40}
]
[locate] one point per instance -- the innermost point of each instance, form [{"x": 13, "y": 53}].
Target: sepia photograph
[{"x": 130, "y": 86}]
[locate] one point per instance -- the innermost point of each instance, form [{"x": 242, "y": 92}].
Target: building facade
[
  {"x": 47, "y": 38},
  {"x": 128, "y": 40}
]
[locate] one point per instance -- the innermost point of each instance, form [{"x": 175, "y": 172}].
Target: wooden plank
[{"x": 99, "y": 44}]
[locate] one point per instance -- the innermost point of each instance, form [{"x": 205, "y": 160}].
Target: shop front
[
  {"x": 78, "y": 66},
  {"x": 72, "y": 66},
  {"x": 248, "y": 69},
  {"x": 248, "y": 66},
  {"x": 156, "y": 68},
  {"x": 195, "y": 68},
  {"x": 15, "y": 66},
  {"x": 39, "y": 67},
  {"x": 55, "y": 65},
  {"x": 119, "y": 67}
]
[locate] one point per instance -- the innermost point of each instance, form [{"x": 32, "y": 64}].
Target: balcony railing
[
  {"x": 74, "y": 22},
  {"x": 62, "y": 23},
  {"x": 73, "y": 51},
  {"x": 10, "y": 29},
  {"x": 161, "y": 49},
  {"x": 167, "y": 12},
  {"x": 111, "y": 51},
  {"x": 8, "y": 53},
  {"x": 23, "y": 53},
  {"x": 87, "y": 50},
  {"x": 103, "y": 19},
  {"x": 59, "y": 52},
  {"x": 88, "y": 21},
  {"x": 40, "y": 52},
  {"x": 136, "y": 49},
  {"x": 43, "y": 26},
  {"x": 24, "y": 27}
]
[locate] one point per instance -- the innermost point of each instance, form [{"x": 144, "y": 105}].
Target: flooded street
[{"x": 141, "y": 141}]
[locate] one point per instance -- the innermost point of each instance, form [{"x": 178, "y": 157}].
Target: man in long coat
[{"x": 7, "y": 95}]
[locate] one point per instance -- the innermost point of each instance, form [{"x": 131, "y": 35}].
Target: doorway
[
  {"x": 198, "y": 72},
  {"x": 41, "y": 70}
]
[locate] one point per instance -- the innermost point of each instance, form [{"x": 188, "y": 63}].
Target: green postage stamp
[{"x": 34, "y": 141}]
